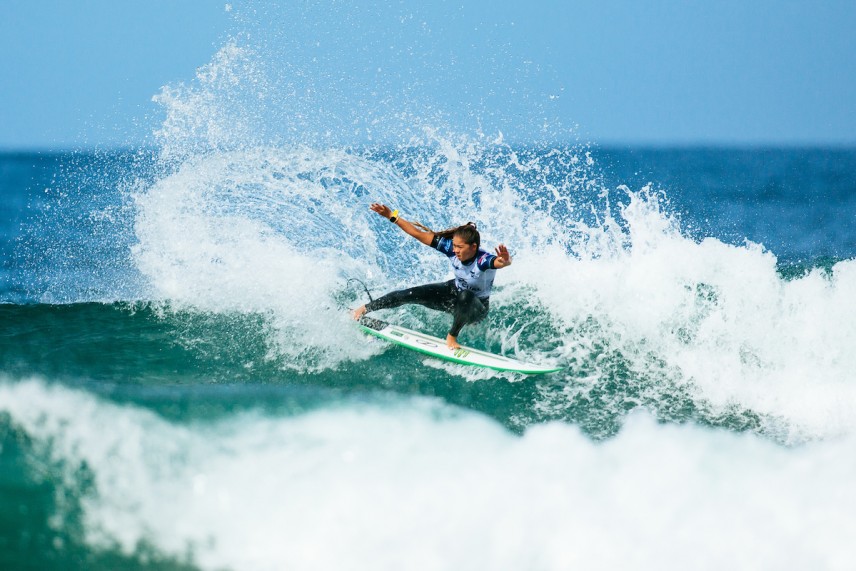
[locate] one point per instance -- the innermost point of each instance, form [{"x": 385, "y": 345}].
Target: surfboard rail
[{"x": 436, "y": 347}]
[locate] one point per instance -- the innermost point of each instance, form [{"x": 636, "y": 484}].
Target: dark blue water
[{"x": 800, "y": 203}]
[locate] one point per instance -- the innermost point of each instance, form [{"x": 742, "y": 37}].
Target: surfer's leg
[
  {"x": 468, "y": 309},
  {"x": 434, "y": 296}
]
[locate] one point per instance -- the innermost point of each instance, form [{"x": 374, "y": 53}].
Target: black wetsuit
[{"x": 467, "y": 297}]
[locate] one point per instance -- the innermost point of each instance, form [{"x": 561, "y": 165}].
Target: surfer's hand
[
  {"x": 381, "y": 209},
  {"x": 503, "y": 258}
]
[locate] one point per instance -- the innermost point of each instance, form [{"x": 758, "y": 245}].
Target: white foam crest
[
  {"x": 715, "y": 317},
  {"x": 420, "y": 486}
]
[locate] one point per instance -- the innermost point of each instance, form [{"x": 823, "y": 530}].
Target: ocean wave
[{"x": 400, "y": 485}]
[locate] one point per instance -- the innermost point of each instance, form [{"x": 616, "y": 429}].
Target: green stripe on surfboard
[{"x": 436, "y": 347}]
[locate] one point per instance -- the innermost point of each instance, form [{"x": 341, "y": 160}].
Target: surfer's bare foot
[
  {"x": 359, "y": 312},
  {"x": 452, "y": 342}
]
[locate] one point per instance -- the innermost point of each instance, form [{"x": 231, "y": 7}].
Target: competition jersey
[{"x": 476, "y": 276}]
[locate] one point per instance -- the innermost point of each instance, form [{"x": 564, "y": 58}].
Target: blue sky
[{"x": 82, "y": 74}]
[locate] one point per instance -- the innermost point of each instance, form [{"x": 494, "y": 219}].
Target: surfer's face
[{"x": 462, "y": 250}]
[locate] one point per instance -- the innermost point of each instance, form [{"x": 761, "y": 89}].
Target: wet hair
[{"x": 468, "y": 233}]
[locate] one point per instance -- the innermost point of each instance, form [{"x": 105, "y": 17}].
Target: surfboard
[{"x": 436, "y": 347}]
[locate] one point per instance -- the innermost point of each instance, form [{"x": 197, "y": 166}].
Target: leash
[{"x": 362, "y": 284}]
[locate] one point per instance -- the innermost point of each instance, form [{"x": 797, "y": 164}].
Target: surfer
[{"x": 467, "y": 296}]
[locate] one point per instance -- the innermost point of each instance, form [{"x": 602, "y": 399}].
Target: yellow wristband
[{"x": 394, "y": 216}]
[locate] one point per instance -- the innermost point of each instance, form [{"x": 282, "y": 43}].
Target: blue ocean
[{"x": 182, "y": 387}]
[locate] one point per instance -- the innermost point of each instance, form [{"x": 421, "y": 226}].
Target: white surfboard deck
[{"x": 436, "y": 347}]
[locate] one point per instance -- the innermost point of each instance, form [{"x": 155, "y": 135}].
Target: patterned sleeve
[
  {"x": 443, "y": 245},
  {"x": 485, "y": 261}
]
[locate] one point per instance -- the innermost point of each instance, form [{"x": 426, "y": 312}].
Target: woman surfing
[{"x": 467, "y": 296}]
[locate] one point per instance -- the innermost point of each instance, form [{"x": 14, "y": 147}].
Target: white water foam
[
  {"x": 715, "y": 318},
  {"x": 224, "y": 235},
  {"x": 417, "y": 485}
]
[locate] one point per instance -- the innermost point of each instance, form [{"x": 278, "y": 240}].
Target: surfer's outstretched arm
[{"x": 408, "y": 227}]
